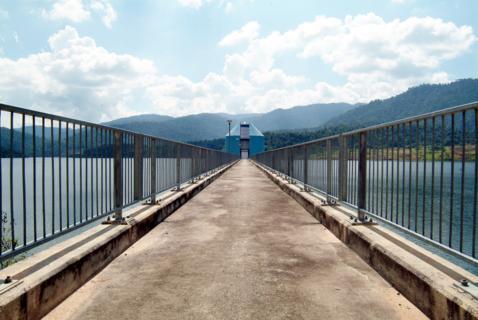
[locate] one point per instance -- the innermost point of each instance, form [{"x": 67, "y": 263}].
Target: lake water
[
  {"x": 80, "y": 195},
  {"x": 51, "y": 210},
  {"x": 402, "y": 192}
]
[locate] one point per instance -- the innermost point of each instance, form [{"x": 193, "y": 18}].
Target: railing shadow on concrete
[
  {"x": 419, "y": 174},
  {"x": 58, "y": 174}
]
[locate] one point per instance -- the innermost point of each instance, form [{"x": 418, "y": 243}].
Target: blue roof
[{"x": 253, "y": 131}]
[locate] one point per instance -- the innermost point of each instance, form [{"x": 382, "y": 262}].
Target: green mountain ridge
[
  {"x": 207, "y": 126},
  {"x": 415, "y": 101}
]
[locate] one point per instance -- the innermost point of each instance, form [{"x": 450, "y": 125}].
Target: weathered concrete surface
[
  {"x": 427, "y": 280},
  {"x": 45, "y": 279},
  {"x": 241, "y": 249}
]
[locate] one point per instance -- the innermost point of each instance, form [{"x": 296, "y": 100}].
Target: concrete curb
[
  {"x": 434, "y": 292},
  {"x": 45, "y": 279}
]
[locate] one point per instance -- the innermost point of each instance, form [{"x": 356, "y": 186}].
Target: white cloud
[
  {"x": 72, "y": 10},
  {"x": 195, "y": 4},
  {"x": 81, "y": 10},
  {"x": 376, "y": 58},
  {"x": 247, "y": 33},
  {"x": 76, "y": 78},
  {"x": 107, "y": 11}
]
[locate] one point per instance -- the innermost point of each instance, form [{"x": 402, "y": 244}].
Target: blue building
[{"x": 245, "y": 140}]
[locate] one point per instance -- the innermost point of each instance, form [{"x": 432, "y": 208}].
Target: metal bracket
[
  {"x": 108, "y": 220},
  {"x": 467, "y": 287},
  {"x": 366, "y": 221},
  {"x": 306, "y": 189},
  {"x": 329, "y": 202},
  {"x": 8, "y": 284}
]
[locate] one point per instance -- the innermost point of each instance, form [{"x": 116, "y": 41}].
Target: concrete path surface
[{"x": 241, "y": 249}]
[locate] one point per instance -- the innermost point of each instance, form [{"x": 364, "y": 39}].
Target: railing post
[
  {"x": 178, "y": 167},
  {"x": 192, "y": 165},
  {"x": 343, "y": 168},
  {"x": 328, "y": 150},
  {"x": 118, "y": 174},
  {"x": 273, "y": 162},
  {"x": 306, "y": 167},
  {"x": 362, "y": 178},
  {"x": 138, "y": 167},
  {"x": 292, "y": 165},
  {"x": 152, "y": 155},
  {"x": 288, "y": 163}
]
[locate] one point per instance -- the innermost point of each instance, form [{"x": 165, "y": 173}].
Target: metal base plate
[
  {"x": 4, "y": 287},
  {"x": 363, "y": 223},
  {"x": 113, "y": 221},
  {"x": 471, "y": 289}
]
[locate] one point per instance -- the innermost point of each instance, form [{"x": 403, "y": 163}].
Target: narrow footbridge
[
  {"x": 239, "y": 250},
  {"x": 103, "y": 223}
]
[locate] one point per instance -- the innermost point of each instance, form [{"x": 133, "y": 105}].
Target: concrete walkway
[{"x": 241, "y": 249}]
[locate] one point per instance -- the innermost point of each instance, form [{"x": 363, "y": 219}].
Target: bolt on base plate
[
  {"x": 114, "y": 221},
  {"x": 366, "y": 221}
]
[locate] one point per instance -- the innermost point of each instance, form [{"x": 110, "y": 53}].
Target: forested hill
[
  {"x": 206, "y": 126},
  {"x": 416, "y": 100}
]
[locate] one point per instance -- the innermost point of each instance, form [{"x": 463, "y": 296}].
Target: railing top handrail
[
  {"x": 40, "y": 114},
  {"x": 454, "y": 109}
]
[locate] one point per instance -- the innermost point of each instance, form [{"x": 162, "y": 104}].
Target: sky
[{"x": 98, "y": 60}]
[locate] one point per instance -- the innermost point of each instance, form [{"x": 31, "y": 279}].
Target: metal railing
[
  {"x": 58, "y": 174},
  {"x": 419, "y": 174}
]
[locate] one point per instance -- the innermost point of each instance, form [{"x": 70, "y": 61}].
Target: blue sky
[{"x": 103, "y": 59}]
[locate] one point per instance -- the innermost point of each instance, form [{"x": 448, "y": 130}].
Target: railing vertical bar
[
  {"x": 404, "y": 134},
  {"x": 475, "y": 192},
  {"x": 43, "y": 177},
  {"x": 24, "y": 190},
  {"x": 12, "y": 215},
  {"x": 462, "y": 191},
  {"x": 376, "y": 167},
  {"x": 362, "y": 175},
  {"x": 91, "y": 155},
  {"x": 371, "y": 170},
  {"x": 138, "y": 167},
  {"x": 67, "y": 146},
  {"x": 432, "y": 195},
  {"x": 410, "y": 156},
  {"x": 34, "y": 161},
  {"x": 97, "y": 154},
  {"x": 86, "y": 173},
  {"x": 382, "y": 169},
  {"x": 424, "y": 187},
  {"x": 74, "y": 158},
  {"x": 60, "y": 213},
  {"x": 387, "y": 146},
  {"x": 417, "y": 146},
  {"x": 329, "y": 167},
  {"x": 153, "y": 155},
  {"x": 118, "y": 174},
  {"x": 81, "y": 171},
  {"x": 52, "y": 159},
  {"x": 442, "y": 138},
  {"x": 178, "y": 167},
  {"x": 452, "y": 181},
  {"x": 103, "y": 195},
  {"x": 397, "y": 193},
  {"x": 392, "y": 185}
]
